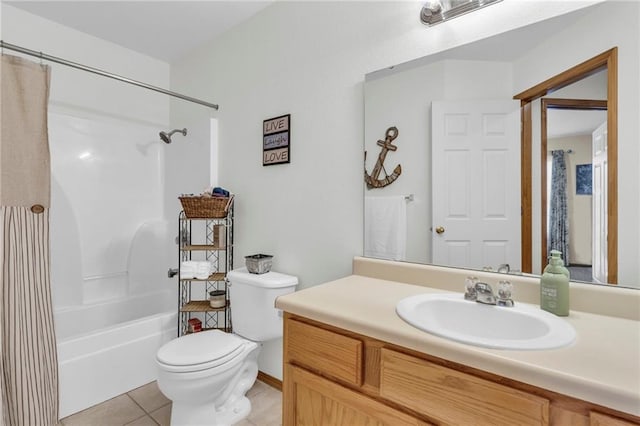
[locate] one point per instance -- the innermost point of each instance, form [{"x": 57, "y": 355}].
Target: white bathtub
[{"x": 100, "y": 365}]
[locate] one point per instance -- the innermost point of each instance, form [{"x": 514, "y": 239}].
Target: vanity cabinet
[{"x": 336, "y": 377}]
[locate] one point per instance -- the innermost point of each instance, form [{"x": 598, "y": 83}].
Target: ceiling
[
  {"x": 563, "y": 122},
  {"x": 164, "y": 30}
]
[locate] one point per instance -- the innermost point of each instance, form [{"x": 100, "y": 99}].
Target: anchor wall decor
[{"x": 373, "y": 180}]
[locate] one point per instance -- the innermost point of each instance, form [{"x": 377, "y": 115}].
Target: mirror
[{"x": 499, "y": 68}]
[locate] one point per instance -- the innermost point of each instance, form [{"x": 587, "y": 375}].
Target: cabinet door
[{"x": 313, "y": 400}]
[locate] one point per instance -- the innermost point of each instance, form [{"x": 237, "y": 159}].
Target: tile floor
[{"x": 147, "y": 406}]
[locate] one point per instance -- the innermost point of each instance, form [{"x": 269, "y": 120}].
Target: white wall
[
  {"x": 309, "y": 59},
  {"x": 92, "y": 104}
]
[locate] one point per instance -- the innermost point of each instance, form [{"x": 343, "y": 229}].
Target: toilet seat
[{"x": 200, "y": 351}]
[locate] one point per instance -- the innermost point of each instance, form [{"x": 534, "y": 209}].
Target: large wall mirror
[{"x": 478, "y": 128}]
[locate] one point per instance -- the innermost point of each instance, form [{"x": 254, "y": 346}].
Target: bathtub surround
[{"x": 28, "y": 365}]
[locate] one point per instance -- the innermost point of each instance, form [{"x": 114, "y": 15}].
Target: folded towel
[
  {"x": 187, "y": 269},
  {"x": 203, "y": 270},
  {"x": 385, "y": 227}
]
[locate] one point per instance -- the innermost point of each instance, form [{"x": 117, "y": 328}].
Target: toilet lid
[{"x": 196, "y": 351}]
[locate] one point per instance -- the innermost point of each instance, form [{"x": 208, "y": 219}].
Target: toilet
[{"x": 207, "y": 374}]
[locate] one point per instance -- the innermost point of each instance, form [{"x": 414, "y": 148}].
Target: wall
[
  {"x": 88, "y": 109},
  {"x": 309, "y": 59}
]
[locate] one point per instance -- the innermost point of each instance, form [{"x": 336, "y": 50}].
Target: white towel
[
  {"x": 195, "y": 269},
  {"x": 385, "y": 227}
]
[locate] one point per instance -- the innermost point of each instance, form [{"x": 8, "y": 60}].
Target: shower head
[{"x": 166, "y": 137}]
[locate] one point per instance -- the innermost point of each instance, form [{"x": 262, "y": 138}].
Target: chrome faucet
[{"x": 483, "y": 293}]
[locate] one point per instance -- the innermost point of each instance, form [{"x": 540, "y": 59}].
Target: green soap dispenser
[{"x": 554, "y": 286}]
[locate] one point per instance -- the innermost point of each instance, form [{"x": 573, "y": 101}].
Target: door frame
[
  {"x": 607, "y": 60},
  {"x": 545, "y": 105}
]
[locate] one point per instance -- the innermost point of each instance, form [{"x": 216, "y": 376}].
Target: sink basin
[{"x": 522, "y": 327}]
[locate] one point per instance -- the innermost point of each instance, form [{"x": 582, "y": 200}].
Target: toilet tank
[{"x": 253, "y": 297}]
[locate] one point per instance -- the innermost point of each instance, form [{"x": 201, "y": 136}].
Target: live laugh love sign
[{"x": 276, "y": 140}]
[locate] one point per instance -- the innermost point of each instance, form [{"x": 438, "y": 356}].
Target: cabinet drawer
[
  {"x": 330, "y": 353},
  {"x": 453, "y": 397},
  {"x": 599, "y": 419}
]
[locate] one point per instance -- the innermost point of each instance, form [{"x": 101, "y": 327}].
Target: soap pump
[{"x": 554, "y": 286}]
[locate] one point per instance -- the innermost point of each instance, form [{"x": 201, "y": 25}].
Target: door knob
[{"x": 439, "y": 230}]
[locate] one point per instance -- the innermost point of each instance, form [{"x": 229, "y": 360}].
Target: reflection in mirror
[
  {"x": 580, "y": 82},
  {"x": 572, "y": 131},
  {"x": 495, "y": 69}
]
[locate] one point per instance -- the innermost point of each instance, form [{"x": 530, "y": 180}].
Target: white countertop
[{"x": 602, "y": 366}]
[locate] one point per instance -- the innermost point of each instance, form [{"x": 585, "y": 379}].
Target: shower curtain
[
  {"x": 28, "y": 358},
  {"x": 558, "y": 214}
]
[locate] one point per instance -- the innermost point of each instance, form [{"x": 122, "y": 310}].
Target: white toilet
[{"x": 207, "y": 374}]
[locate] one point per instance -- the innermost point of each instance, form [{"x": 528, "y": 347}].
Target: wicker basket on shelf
[{"x": 199, "y": 207}]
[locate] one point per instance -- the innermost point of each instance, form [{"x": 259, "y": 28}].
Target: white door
[
  {"x": 599, "y": 200},
  {"x": 476, "y": 183}
]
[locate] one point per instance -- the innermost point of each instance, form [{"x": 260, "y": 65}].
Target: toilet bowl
[{"x": 207, "y": 374}]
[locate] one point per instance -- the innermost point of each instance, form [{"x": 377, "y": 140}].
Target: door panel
[{"x": 476, "y": 183}]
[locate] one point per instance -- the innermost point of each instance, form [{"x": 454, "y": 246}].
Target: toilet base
[{"x": 229, "y": 406}]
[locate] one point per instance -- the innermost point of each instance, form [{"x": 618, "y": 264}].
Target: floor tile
[
  {"x": 143, "y": 421},
  {"x": 257, "y": 388},
  {"x": 162, "y": 415},
  {"x": 114, "y": 412},
  {"x": 149, "y": 397},
  {"x": 266, "y": 407}
]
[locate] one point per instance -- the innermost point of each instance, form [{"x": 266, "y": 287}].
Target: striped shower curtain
[{"x": 28, "y": 358}]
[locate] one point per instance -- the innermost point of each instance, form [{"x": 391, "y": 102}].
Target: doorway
[
  {"x": 605, "y": 61},
  {"x": 567, "y": 131}
]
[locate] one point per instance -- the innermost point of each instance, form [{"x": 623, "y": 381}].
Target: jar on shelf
[{"x": 217, "y": 298}]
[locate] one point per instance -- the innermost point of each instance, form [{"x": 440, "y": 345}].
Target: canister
[{"x": 217, "y": 298}]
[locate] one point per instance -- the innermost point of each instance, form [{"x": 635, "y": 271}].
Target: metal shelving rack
[{"x": 193, "y": 293}]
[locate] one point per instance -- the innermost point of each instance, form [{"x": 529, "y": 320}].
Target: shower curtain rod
[{"x": 61, "y": 61}]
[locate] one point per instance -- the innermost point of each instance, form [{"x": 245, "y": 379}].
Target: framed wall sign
[
  {"x": 583, "y": 179},
  {"x": 276, "y": 140}
]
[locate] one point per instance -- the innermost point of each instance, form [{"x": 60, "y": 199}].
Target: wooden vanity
[
  {"x": 348, "y": 360},
  {"x": 336, "y": 377}
]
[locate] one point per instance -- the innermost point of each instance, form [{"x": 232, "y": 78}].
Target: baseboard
[{"x": 270, "y": 380}]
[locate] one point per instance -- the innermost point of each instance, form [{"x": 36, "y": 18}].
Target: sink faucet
[{"x": 483, "y": 293}]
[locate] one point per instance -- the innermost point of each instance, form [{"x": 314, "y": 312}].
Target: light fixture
[{"x": 436, "y": 11}]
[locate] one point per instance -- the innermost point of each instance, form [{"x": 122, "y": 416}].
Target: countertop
[{"x": 602, "y": 366}]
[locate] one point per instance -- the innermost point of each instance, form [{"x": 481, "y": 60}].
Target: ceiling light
[{"x": 436, "y": 11}]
